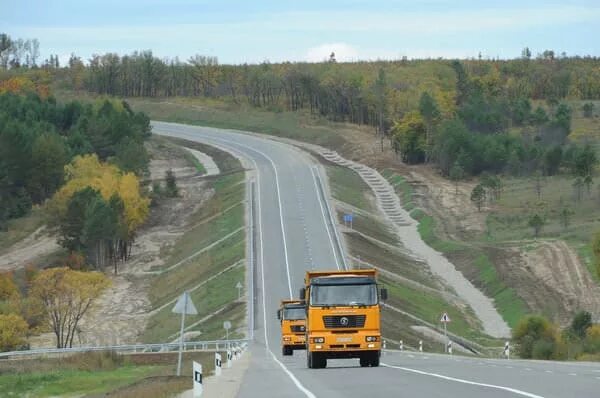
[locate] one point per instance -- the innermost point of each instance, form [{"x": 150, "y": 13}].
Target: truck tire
[
  {"x": 364, "y": 360},
  {"x": 287, "y": 350},
  {"x": 309, "y": 359},
  {"x": 375, "y": 359}
]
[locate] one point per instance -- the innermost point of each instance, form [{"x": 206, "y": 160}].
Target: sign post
[
  {"x": 348, "y": 218},
  {"x": 445, "y": 319},
  {"x": 183, "y": 306},
  {"x": 227, "y": 326},
  {"x": 197, "y": 373},
  {"x": 239, "y": 288}
]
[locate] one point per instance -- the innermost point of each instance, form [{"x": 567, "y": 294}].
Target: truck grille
[
  {"x": 297, "y": 328},
  {"x": 344, "y": 321}
]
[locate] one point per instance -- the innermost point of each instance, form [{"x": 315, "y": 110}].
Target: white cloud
[{"x": 343, "y": 52}]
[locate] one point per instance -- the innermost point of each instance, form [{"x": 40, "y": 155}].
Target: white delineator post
[
  {"x": 229, "y": 357},
  {"x": 217, "y": 364},
  {"x": 401, "y": 345},
  {"x": 450, "y": 347},
  {"x": 197, "y": 374},
  {"x": 507, "y": 350},
  {"x": 420, "y": 345}
]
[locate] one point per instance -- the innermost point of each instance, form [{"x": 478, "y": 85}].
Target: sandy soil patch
[{"x": 38, "y": 244}]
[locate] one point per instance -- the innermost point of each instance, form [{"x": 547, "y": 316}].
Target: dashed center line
[
  {"x": 572, "y": 374},
  {"x": 549, "y": 371}
]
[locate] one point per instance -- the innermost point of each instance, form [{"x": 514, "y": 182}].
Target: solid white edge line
[
  {"x": 298, "y": 384},
  {"x": 318, "y": 192},
  {"x": 474, "y": 383}
]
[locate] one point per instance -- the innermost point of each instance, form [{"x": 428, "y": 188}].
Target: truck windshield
[
  {"x": 343, "y": 295},
  {"x": 294, "y": 314}
]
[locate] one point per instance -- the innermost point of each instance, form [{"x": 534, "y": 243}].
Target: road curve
[{"x": 293, "y": 237}]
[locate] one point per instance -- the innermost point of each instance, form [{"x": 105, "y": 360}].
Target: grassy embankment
[
  {"x": 468, "y": 255},
  {"x": 216, "y": 221},
  {"x": 101, "y": 373},
  {"x": 371, "y": 241}
]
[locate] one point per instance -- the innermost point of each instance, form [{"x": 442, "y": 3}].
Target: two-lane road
[{"x": 293, "y": 236}]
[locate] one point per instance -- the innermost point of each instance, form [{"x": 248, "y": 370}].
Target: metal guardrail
[{"x": 213, "y": 345}]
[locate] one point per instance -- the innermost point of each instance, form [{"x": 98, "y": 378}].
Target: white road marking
[
  {"x": 572, "y": 374},
  {"x": 299, "y": 385},
  {"x": 549, "y": 371},
  {"x": 528, "y": 369},
  {"x": 318, "y": 192},
  {"x": 508, "y": 367},
  {"x": 493, "y": 386}
]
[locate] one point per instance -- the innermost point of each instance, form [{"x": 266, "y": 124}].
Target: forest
[{"x": 82, "y": 160}]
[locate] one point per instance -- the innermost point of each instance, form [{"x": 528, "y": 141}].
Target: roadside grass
[
  {"x": 205, "y": 234},
  {"x": 20, "y": 228},
  {"x": 212, "y": 329},
  {"x": 221, "y": 215},
  {"x": 509, "y": 216},
  {"x": 193, "y": 160},
  {"x": 472, "y": 260},
  {"x": 171, "y": 284},
  {"x": 587, "y": 257},
  {"x": 347, "y": 186},
  {"x": 370, "y": 226},
  {"x": 430, "y": 307},
  {"x": 217, "y": 293},
  {"x": 98, "y": 373},
  {"x": 388, "y": 259}
]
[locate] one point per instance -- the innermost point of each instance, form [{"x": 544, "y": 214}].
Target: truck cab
[
  {"x": 292, "y": 315},
  {"x": 343, "y": 316}
]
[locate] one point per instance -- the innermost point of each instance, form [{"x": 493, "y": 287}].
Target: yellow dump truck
[
  {"x": 292, "y": 315},
  {"x": 342, "y": 316}
]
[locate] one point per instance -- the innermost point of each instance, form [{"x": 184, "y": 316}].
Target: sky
[{"x": 238, "y": 31}]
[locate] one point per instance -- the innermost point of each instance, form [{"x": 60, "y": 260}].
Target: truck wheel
[
  {"x": 309, "y": 360},
  {"x": 375, "y": 359},
  {"x": 286, "y": 350},
  {"x": 364, "y": 361},
  {"x": 319, "y": 360}
]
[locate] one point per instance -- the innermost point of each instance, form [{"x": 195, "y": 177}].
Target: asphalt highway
[{"x": 293, "y": 236}]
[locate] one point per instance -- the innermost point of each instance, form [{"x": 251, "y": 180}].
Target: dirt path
[{"x": 39, "y": 243}]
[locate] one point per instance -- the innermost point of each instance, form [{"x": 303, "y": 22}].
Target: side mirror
[
  {"x": 302, "y": 294},
  {"x": 384, "y": 294},
  {"x": 279, "y": 314}
]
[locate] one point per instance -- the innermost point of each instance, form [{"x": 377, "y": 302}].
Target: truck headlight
[
  {"x": 372, "y": 338},
  {"x": 287, "y": 338},
  {"x": 318, "y": 340}
]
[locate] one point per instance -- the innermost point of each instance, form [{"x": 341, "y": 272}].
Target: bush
[
  {"x": 535, "y": 337},
  {"x": 592, "y": 339},
  {"x": 13, "y": 332},
  {"x": 171, "y": 189}
]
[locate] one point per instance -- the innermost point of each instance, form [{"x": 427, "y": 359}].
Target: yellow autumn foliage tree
[
  {"x": 88, "y": 171},
  {"x": 13, "y": 332},
  {"x": 66, "y": 295}
]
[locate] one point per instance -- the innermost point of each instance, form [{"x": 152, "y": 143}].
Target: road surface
[{"x": 293, "y": 236}]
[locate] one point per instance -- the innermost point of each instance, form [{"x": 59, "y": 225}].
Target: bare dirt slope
[{"x": 40, "y": 243}]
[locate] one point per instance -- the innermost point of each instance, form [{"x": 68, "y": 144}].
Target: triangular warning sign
[
  {"x": 445, "y": 318},
  {"x": 184, "y": 304}
]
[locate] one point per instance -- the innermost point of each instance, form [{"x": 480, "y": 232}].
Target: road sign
[
  {"x": 197, "y": 373},
  {"x": 226, "y": 325},
  {"x": 348, "y": 219},
  {"x": 445, "y": 318},
  {"x": 184, "y": 305}
]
